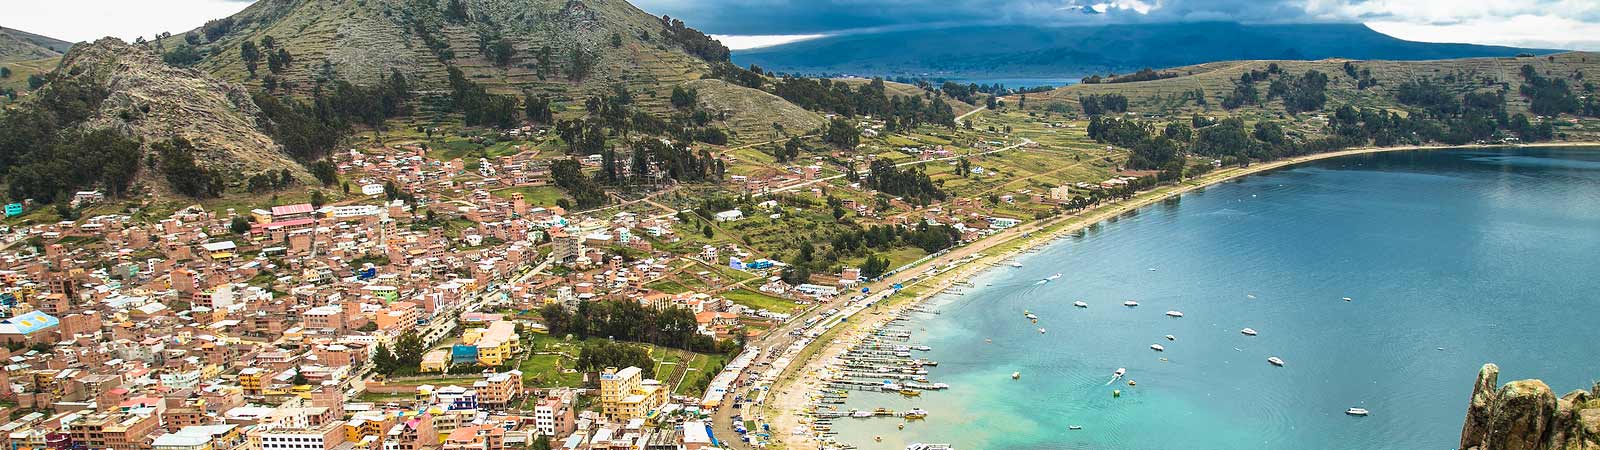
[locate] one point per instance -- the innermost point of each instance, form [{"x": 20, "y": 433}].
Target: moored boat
[
  {"x": 1248, "y": 331},
  {"x": 1080, "y": 304},
  {"x": 1130, "y": 303},
  {"x": 1275, "y": 361},
  {"x": 1157, "y": 347},
  {"x": 1174, "y": 313},
  {"x": 1357, "y": 411}
]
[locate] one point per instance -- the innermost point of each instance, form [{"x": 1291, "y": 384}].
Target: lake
[{"x": 1450, "y": 259}]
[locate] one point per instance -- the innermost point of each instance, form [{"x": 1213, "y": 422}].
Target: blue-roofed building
[
  {"x": 13, "y": 209},
  {"x": 26, "y": 326},
  {"x": 463, "y": 354}
]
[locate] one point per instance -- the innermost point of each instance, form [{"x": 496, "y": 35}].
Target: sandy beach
[{"x": 790, "y": 395}]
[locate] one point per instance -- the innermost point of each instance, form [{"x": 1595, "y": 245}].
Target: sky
[{"x": 1563, "y": 24}]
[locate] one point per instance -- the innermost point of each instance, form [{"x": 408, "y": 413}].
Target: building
[
  {"x": 497, "y": 390},
  {"x": 729, "y": 215},
  {"x": 625, "y": 394},
  {"x": 494, "y": 344},
  {"x": 202, "y": 437},
  {"x": 123, "y": 430},
  {"x": 553, "y": 415}
]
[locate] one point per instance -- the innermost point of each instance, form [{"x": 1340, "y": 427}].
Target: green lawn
[
  {"x": 534, "y": 195},
  {"x": 757, "y": 300},
  {"x": 668, "y": 286}
]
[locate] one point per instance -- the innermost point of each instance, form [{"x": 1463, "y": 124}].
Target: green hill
[
  {"x": 18, "y": 45},
  {"x": 568, "y": 48},
  {"x": 1216, "y": 81}
]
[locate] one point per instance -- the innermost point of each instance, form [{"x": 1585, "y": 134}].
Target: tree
[
  {"x": 408, "y": 350},
  {"x": 5, "y": 72},
  {"x": 317, "y": 198},
  {"x": 384, "y": 361},
  {"x": 684, "y": 98},
  {"x": 842, "y": 133},
  {"x": 239, "y": 225},
  {"x": 185, "y": 176},
  {"x": 299, "y": 378},
  {"x": 542, "y": 443},
  {"x": 706, "y": 231},
  {"x": 538, "y": 109},
  {"x": 279, "y": 60},
  {"x": 251, "y": 56}
]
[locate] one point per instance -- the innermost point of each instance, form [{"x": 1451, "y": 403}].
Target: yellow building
[
  {"x": 625, "y": 394},
  {"x": 252, "y": 380},
  {"x": 495, "y": 344}
]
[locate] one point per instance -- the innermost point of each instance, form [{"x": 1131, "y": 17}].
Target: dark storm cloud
[{"x": 819, "y": 16}]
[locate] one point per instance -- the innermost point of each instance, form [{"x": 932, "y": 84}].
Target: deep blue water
[{"x": 1491, "y": 255}]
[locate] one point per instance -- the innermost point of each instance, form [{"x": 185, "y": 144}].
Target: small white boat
[
  {"x": 1080, "y": 304},
  {"x": 922, "y": 348},
  {"x": 1041, "y": 331},
  {"x": 1130, "y": 303},
  {"x": 1172, "y": 338},
  {"x": 1248, "y": 331},
  {"x": 1074, "y": 427},
  {"x": 1275, "y": 361},
  {"x": 1157, "y": 347},
  {"x": 1119, "y": 372},
  {"x": 1031, "y": 316},
  {"x": 859, "y": 413},
  {"x": 1016, "y": 264},
  {"x": 1016, "y": 375},
  {"x": 1174, "y": 313},
  {"x": 1357, "y": 411},
  {"x": 1347, "y": 299},
  {"x": 892, "y": 386}
]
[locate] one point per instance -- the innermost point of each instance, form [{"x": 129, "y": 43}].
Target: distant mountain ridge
[
  {"x": 18, "y": 45},
  {"x": 1011, "y": 51}
]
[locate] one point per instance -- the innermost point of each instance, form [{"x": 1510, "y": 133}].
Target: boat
[
  {"x": 1130, "y": 303},
  {"x": 1041, "y": 331},
  {"x": 921, "y": 446},
  {"x": 892, "y": 386},
  {"x": 1030, "y": 316},
  {"x": 859, "y": 413},
  {"x": 1080, "y": 304},
  {"x": 1174, "y": 313},
  {"x": 1347, "y": 299},
  {"x": 1275, "y": 361},
  {"x": 910, "y": 392},
  {"x": 1119, "y": 372},
  {"x": 1016, "y": 264},
  {"x": 1074, "y": 427},
  {"x": 1016, "y": 375},
  {"x": 1172, "y": 338},
  {"x": 1248, "y": 331},
  {"x": 917, "y": 413},
  {"x": 1157, "y": 347},
  {"x": 1048, "y": 279},
  {"x": 1357, "y": 411}
]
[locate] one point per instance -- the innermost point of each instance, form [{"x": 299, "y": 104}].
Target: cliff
[{"x": 1527, "y": 415}]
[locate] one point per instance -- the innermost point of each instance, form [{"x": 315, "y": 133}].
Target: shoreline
[{"x": 794, "y": 386}]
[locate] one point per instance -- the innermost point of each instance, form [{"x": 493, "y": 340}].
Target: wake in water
[{"x": 1116, "y": 375}]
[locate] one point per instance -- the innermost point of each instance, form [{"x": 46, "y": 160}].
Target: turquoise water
[{"x": 1493, "y": 256}]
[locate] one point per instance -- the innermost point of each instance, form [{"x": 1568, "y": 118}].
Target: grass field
[
  {"x": 535, "y": 195},
  {"x": 757, "y": 300}
]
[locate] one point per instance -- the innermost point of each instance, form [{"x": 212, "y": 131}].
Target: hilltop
[
  {"x": 18, "y": 45},
  {"x": 1010, "y": 51},
  {"x": 110, "y": 105},
  {"x": 1358, "y": 83},
  {"x": 569, "y": 48}
]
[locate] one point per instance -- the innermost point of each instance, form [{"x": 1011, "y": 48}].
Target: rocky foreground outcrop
[
  {"x": 149, "y": 99},
  {"x": 1527, "y": 415}
]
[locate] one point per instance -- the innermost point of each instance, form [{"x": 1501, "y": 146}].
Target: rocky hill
[
  {"x": 17, "y": 45},
  {"x": 564, "y": 47},
  {"x": 127, "y": 89},
  {"x": 1527, "y": 415}
]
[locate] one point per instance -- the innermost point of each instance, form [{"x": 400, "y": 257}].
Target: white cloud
[
  {"x": 746, "y": 42},
  {"x": 87, "y": 20},
  {"x": 1517, "y": 31}
]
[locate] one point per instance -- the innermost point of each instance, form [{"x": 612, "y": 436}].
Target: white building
[{"x": 729, "y": 215}]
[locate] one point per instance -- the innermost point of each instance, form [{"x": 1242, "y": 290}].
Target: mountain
[
  {"x": 17, "y": 45},
  {"x": 109, "y": 105},
  {"x": 1021, "y": 51},
  {"x": 563, "y": 47}
]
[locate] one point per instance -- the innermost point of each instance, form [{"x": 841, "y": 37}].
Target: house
[{"x": 729, "y": 215}]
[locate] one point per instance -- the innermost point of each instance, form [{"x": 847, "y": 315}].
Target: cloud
[
  {"x": 87, "y": 20},
  {"x": 1563, "y": 21}
]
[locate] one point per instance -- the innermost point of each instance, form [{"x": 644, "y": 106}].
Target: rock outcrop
[
  {"x": 1527, "y": 415},
  {"x": 149, "y": 99}
]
